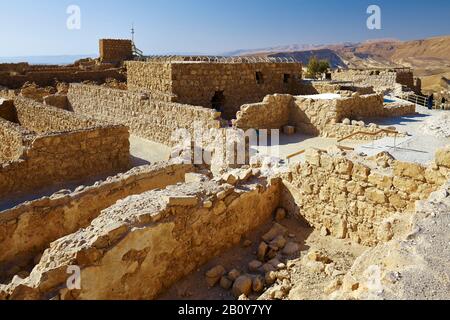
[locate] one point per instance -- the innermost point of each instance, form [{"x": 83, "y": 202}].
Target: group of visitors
[{"x": 431, "y": 102}]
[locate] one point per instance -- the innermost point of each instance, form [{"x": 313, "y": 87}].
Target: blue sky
[{"x": 38, "y": 27}]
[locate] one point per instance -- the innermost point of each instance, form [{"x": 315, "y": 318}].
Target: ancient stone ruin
[{"x": 348, "y": 208}]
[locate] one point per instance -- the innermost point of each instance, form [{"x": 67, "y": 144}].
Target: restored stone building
[
  {"x": 224, "y": 86},
  {"x": 115, "y": 50}
]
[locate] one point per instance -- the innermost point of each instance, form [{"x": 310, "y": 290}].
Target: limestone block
[
  {"x": 443, "y": 157},
  {"x": 184, "y": 201}
]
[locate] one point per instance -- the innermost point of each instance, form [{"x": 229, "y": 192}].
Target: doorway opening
[{"x": 218, "y": 101}]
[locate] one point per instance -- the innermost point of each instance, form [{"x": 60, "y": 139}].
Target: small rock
[
  {"x": 262, "y": 251},
  {"x": 226, "y": 283},
  {"x": 319, "y": 256},
  {"x": 315, "y": 266},
  {"x": 247, "y": 243},
  {"x": 234, "y": 274},
  {"x": 273, "y": 252},
  {"x": 291, "y": 248},
  {"x": 281, "y": 266},
  {"x": 324, "y": 232},
  {"x": 258, "y": 284},
  {"x": 254, "y": 266},
  {"x": 242, "y": 285},
  {"x": 346, "y": 121},
  {"x": 278, "y": 294},
  {"x": 268, "y": 267},
  {"x": 243, "y": 298},
  {"x": 350, "y": 284},
  {"x": 329, "y": 269},
  {"x": 207, "y": 204},
  {"x": 283, "y": 275},
  {"x": 333, "y": 286},
  {"x": 277, "y": 230},
  {"x": 271, "y": 277},
  {"x": 274, "y": 262},
  {"x": 279, "y": 242},
  {"x": 280, "y": 215},
  {"x": 214, "y": 275}
]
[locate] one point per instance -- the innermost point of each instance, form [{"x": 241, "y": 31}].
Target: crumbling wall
[
  {"x": 115, "y": 50},
  {"x": 272, "y": 113},
  {"x": 7, "y": 110},
  {"x": 318, "y": 116},
  {"x": 351, "y": 197},
  {"x": 58, "y": 158},
  {"x": 11, "y": 144},
  {"x": 410, "y": 266},
  {"x": 142, "y": 245},
  {"x": 40, "y": 118},
  {"x": 51, "y": 77},
  {"x": 380, "y": 80},
  {"x": 319, "y": 87},
  {"x": 53, "y": 146},
  {"x": 63, "y": 214},
  {"x": 150, "y": 119},
  {"x": 197, "y": 83}
]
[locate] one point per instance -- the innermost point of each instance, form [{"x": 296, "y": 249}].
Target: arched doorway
[{"x": 218, "y": 101}]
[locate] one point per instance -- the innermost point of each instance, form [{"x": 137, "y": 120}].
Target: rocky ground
[
  {"x": 286, "y": 259},
  {"x": 438, "y": 126}
]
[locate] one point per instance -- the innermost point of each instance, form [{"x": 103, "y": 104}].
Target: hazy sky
[{"x": 38, "y": 27}]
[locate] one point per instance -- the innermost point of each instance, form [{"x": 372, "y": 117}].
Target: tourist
[{"x": 430, "y": 101}]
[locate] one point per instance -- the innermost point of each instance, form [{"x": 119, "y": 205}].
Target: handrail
[
  {"x": 296, "y": 154},
  {"x": 369, "y": 133}
]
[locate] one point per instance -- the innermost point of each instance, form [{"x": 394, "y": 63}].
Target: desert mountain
[{"x": 431, "y": 53}]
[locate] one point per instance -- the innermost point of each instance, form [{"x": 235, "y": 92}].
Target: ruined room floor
[
  {"x": 309, "y": 284},
  {"x": 297, "y": 142},
  {"x": 147, "y": 152},
  {"x": 142, "y": 152}
]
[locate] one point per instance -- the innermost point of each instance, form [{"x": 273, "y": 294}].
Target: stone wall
[
  {"x": 318, "y": 87},
  {"x": 40, "y": 118},
  {"x": 14, "y": 67},
  {"x": 52, "y": 147},
  {"x": 115, "y": 50},
  {"x": 317, "y": 116},
  {"x": 313, "y": 116},
  {"x": 151, "y": 77},
  {"x": 380, "y": 80},
  {"x": 150, "y": 119},
  {"x": 50, "y": 77},
  {"x": 351, "y": 197},
  {"x": 63, "y": 214},
  {"x": 272, "y": 113},
  {"x": 141, "y": 246},
  {"x": 7, "y": 110},
  {"x": 229, "y": 85},
  {"x": 11, "y": 141}
]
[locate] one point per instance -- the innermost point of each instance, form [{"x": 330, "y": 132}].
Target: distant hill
[
  {"x": 322, "y": 54},
  {"x": 429, "y": 53},
  {"x": 47, "y": 60}
]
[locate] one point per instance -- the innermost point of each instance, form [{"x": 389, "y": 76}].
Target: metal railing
[
  {"x": 137, "y": 52},
  {"x": 423, "y": 101},
  {"x": 218, "y": 59}
]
